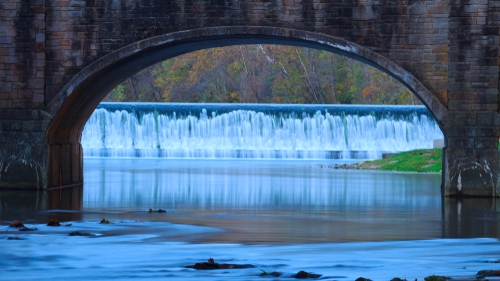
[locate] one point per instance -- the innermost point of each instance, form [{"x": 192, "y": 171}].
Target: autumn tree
[{"x": 262, "y": 74}]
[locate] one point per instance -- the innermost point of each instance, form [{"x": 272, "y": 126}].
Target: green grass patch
[{"x": 422, "y": 160}]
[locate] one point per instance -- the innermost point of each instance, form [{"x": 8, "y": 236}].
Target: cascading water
[{"x": 256, "y": 131}]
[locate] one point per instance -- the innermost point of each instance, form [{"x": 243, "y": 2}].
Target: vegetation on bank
[{"x": 421, "y": 160}]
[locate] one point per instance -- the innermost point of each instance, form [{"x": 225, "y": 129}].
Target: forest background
[{"x": 262, "y": 74}]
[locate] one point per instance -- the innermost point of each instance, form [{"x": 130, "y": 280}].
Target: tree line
[{"x": 263, "y": 74}]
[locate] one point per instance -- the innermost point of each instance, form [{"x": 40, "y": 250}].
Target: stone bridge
[{"x": 59, "y": 59}]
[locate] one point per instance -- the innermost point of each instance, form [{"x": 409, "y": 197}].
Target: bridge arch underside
[{"x": 74, "y": 104}]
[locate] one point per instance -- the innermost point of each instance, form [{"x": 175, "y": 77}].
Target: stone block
[
  {"x": 438, "y": 143},
  {"x": 10, "y": 125},
  {"x": 417, "y": 8},
  {"x": 77, "y": 3},
  {"x": 455, "y": 142},
  {"x": 5, "y": 87},
  {"x": 365, "y": 13},
  {"x": 5, "y": 104},
  {"x": 485, "y": 143},
  {"x": 416, "y": 39},
  {"x": 485, "y": 118}
]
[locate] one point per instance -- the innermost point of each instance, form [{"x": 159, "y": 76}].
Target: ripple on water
[{"x": 132, "y": 256}]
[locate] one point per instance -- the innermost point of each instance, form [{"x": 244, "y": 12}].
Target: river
[
  {"x": 248, "y": 185},
  {"x": 278, "y": 215}
]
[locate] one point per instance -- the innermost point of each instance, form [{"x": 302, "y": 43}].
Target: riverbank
[{"x": 421, "y": 160}]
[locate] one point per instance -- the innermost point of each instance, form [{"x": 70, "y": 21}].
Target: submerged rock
[
  {"x": 80, "y": 233},
  {"x": 486, "y": 273},
  {"x": 274, "y": 273},
  {"x": 17, "y": 224},
  {"x": 397, "y": 279},
  {"x": 28, "y": 229},
  {"x": 156, "y": 211},
  {"x": 53, "y": 222},
  {"x": 15, "y": 238},
  {"x": 211, "y": 264},
  {"x": 363, "y": 279},
  {"x": 303, "y": 275}
]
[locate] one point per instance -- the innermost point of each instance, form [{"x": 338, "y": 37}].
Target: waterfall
[{"x": 261, "y": 131}]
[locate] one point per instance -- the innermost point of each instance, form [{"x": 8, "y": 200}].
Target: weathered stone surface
[
  {"x": 471, "y": 172},
  {"x": 58, "y": 59},
  {"x": 23, "y": 159}
]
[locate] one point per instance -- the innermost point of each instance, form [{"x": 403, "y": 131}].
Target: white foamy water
[
  {"x": 50, "y": 254},
  {"x": 252, "y": 134}
]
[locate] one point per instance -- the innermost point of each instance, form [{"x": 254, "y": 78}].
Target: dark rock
[
  {"x": 397, "y": 279},
  {"x": 274, "y": 273},
  {"x": 363, "y": 279},
  {"x": 156, "y": 211},
  {"x": 485, "y": 273},
  {"x": 17, "y": 224},
  {"x": 104, "y": 221},
  {"x": 213, "y": 265},
  {"x": 303, "y": 275},
  {"x": 15, "y": 238},
  {"x": 28, "y": 229},
  {"x": 436, "y": 278},
  {"x": 53, "y": 223},
  {"x": 80, "y": 233}
]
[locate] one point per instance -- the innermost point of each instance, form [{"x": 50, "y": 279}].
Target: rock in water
[
  {"x": 303, "y": 275},
  {"x": 15, "y": 238},
  {"x": 80, "y": 233},
  {"x": 17, "y": 224},
  {"x": 436, "y": 278},
  {"x": 274, "y": 273},
  {"x": 486, "y": 273},
  {"x": 53, "y": 222},
  {"x": 28, "y": 229},
  {"x": 211, "y": 264}
]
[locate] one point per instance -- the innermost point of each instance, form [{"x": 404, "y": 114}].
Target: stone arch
[{"x": 74, "y": 104}]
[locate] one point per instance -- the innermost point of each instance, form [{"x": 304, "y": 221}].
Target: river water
[
  {"x": 278, "y": 215},
  {"x": 248, "y": 184}
]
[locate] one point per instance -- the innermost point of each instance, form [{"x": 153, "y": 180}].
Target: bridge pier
[
  {"x": 23, "y": 152},
  {"x": 470, "y": 172},
  {"x": 65, "y": 164}
]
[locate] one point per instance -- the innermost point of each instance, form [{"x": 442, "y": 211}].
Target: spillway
[{"x": 180, "y": 130}]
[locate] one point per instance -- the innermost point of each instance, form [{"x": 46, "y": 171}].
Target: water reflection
[
  {"x": 264, "y": 201},
  {"x": 250, "y": 185},
  {"x": 40, "y": 206},
  {"x": 471, "y": 217}
]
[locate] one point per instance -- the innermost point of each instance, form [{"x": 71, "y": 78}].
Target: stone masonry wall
[
  {"x": 451, "y": 46},
  {"x": 22, "y": 54},
  {"x": 411, "y": 33},
  {"x": 473, "y": 130},
  {"x": 23, "y": 125}
]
